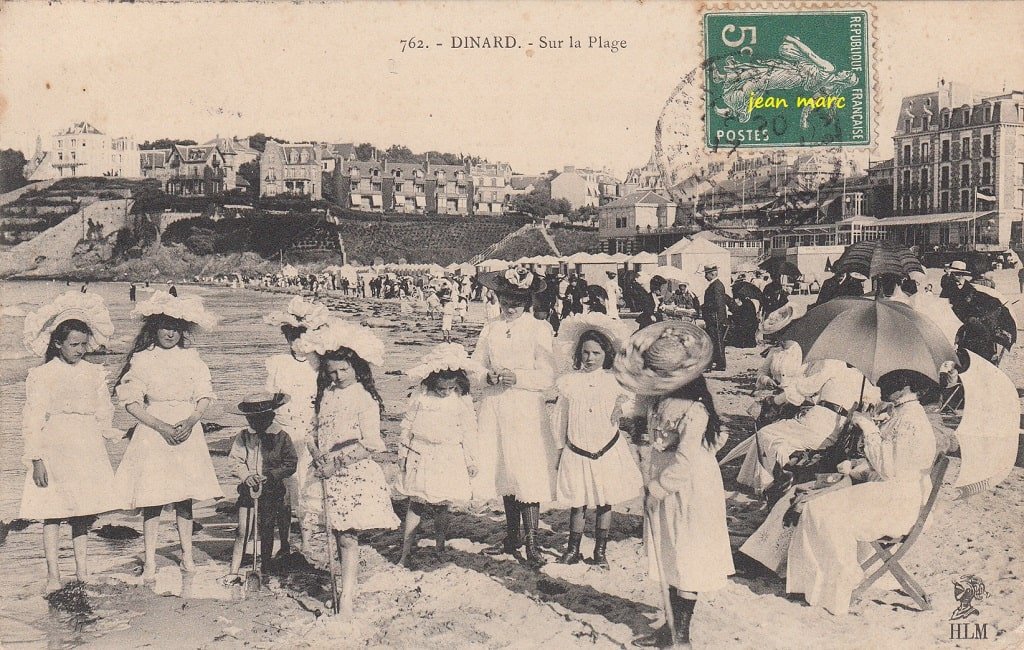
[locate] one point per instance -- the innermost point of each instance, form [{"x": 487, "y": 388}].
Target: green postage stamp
[{"x": 787, "y": 79}]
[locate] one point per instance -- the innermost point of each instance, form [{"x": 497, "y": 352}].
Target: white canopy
[
  {"x": 643, "y": 258},
  {"x": 493, "y": 265}
]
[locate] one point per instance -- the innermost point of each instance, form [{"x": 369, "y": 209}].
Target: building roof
[
  {"x": 646, "y": 197},
  {"x": 881, "y": 166},
  {"x": 154, "y": 157},
  {"x": 79, "y": 128},
  {"x": 195, "y": 152},
  {"x": 924, "y": 219},
  {"x": 522, "y": 182},
  {"x": 406, "y": 168},
  {"x": 232, "y": 145}
]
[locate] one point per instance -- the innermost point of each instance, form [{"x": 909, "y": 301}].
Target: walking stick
[
  {"x": 331, "y": 557},
  {"x": 666, "y": 599}
]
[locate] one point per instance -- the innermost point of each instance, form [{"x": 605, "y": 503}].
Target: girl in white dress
[
  {"x": 596, "y": 468},
  {"x": 823, "y": 562},
  {"x": 66, "y": 419},
  {"x": 294, "y": 374},
  {"x": 437, "y": 445},
  {"x": 518, "y": 452},
  {"x": 686, "y": 535},
  {"x": 347, "y": 429},
  {"x": 166, "y": 386}
]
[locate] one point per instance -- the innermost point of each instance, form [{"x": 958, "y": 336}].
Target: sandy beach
[{"x": 474, "y": 600}]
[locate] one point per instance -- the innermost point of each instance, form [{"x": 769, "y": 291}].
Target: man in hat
[
  {"x": 830, "y": 288},
  {"x": 261, "y": 458},
  {"x": 948, "y": 284},
  {"x": 775, "y": 295},
  {"x": 853, "y": 286},
  {"x": 716, "y": 315},
  {"x": 650, "y": 302}
]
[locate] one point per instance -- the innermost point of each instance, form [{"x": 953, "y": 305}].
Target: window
[
  {"x": 945, "y": 120},
  {"x": 1020, "y": 173},
  {"x": 944, "y": 202},
  {"x": 1020, "y": 198},
  {"x": 944, "y": 178},
  {"x": 924, "y": 152},
  {"x": 906, "y": 179},
  {"x": 924, "y": 178},
  {"x": 986, "y": 145},
  {"x": 906, "y": 153},
  {"x": 965, "y": 199},
  {"x": 965, "y": 174},
  {"x": 986, "y": 173},
  {"x": 965, "y": 147},
  {"x": 945, "y": 150},
  {"x": 906, "y": 124},
  {"x": 399, "y": 186}
]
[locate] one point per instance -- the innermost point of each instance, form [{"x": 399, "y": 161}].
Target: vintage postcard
[{"x": 509, "y": 324}]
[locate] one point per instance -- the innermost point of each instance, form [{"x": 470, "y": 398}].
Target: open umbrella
[
  {"x": 880, "y": 257},
  {"x": 744, "y": 289},
  {"x": 873, "y": 336},
  {"x": 780, "y": 266}
]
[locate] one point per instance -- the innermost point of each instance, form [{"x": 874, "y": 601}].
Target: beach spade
[{"x": 253, "y": 579}]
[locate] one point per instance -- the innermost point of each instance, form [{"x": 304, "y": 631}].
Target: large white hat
[
  {"x": 663, "y": 357},
  {"x": 446, "y": 356},
  {"x": 299, "y": 313},
  {"x": 86, "y": 307},
  {"x": 337, "y": 333},
  {"x": 188, "y": 308}
]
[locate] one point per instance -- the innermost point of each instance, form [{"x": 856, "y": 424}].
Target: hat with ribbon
[
  {"x": 187, "y": 308},
  {"x": 86, "y": 307},
  {"x": 299, "y": 313},
  {"x": 261, "y": 402},
  {"x": 335, "y": 334},
  {"x": 663, "y": 357},
  {"x": 958, "y": 267},
  {"x": 446, "y": 356},
  {"x": 518, "y": 281},
  {"x": 780, "y": 318}
]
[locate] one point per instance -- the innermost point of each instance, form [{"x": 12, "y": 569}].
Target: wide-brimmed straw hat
[
  {"x": 958, "y": 267},
  {"x": 663, "y": 357},
  {"x": 86, "y": 307},
  {"x": 574, "y": 327},
  {"x": 261, "y": 402},
  {"x": 516, "y": 281},
  {"x": 299, "y": 313},
  {"x": 337, "y": 333},
  {"x": 188, "y": 308},
  {"x": 779, "y": 318},
  {"x": 446, "y": 356}
]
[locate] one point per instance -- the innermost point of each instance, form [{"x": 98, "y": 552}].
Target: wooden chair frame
[{"x": 889, "y": 550}]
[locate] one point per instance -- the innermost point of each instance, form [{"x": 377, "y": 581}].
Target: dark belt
[
  {"x": 590, "y": 454},
  {"x": 835, "y": 408}
]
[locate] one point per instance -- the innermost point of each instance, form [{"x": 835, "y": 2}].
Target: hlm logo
[{"x": 966, "y": 590}]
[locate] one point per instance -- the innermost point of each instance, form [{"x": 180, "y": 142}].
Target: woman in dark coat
[{"x": 743, "y": 329}]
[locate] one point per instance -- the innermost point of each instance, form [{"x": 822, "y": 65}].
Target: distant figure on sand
[{"x": 131, "y": 293}]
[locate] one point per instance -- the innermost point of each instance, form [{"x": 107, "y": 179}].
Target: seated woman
[
  {"x": 835, "y": 388},
  {"x": 823, "y": 554}
]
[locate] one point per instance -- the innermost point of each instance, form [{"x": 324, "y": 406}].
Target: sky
[{"x": 336, "y": 72}]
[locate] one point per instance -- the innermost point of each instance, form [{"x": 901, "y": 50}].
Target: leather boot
[
  {"x": 531, "y": 520},
  {"x": 513, "y": 540},
  {"x": 572, "y": 552},
  {"x": 600, "y": 547},
  {"x": 682, "y": 613}
]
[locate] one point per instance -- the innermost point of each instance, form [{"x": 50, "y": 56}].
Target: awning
[
  {"x": 376, "y": 200},
  {"x": 926, "y": 219},
  {"x": 356, "y": 198},
  {"x": 421, "y": 201}
]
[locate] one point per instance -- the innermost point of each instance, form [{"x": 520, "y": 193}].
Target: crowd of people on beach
[{"x": 633, "y": 417}]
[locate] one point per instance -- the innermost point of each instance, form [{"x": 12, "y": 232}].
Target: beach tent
[
  {"x": 692, "y": 256},
  {"x": 642, "y": 261},
  {"x": 289, "y": 271},
  {"x": 493, "y": 265},
  {"x": 592, "y": 267}
]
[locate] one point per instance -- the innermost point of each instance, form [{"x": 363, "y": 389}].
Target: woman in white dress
[
  {"x": 294, "y": 374},
  {"x": 596, "y": 468},
  {"x": 65, "y": 422},
  {"x": 823, "y": 554},
  {"x": 686, "y": 535},
  {"x": 166, "y": 386},
  {"x": 518, "y": 452}
]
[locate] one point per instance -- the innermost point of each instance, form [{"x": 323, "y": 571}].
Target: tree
[
  {"x": 12, "y": 164},
  {"x": 540, "y": 204},
  {"x": 250, "y": 171},
  {"x": 164, "y": 143},
  {"x": 402, "y": 154},
  {"x": 364, "y": 151},
  {"x": 258, "y": 141}
]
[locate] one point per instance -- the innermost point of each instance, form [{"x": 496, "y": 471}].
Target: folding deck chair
[{"x": 889, "y": 550}]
